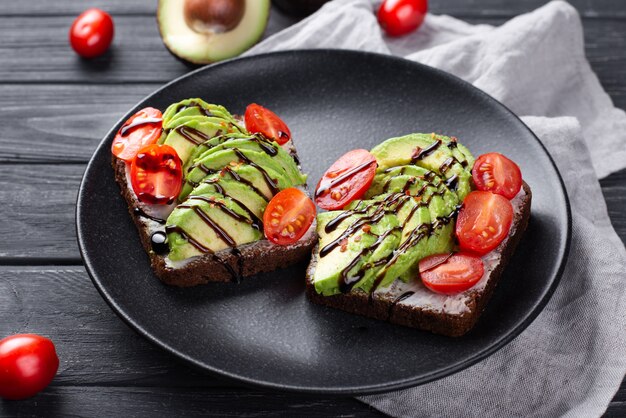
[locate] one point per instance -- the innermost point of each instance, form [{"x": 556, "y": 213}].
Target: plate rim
[{"x": 354, "y": 390}]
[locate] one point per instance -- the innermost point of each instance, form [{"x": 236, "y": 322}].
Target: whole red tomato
[
  {"x": 399, "y": 17},
  {"x": 91, "y": 33},
  {"x": 28, "y": 363}
]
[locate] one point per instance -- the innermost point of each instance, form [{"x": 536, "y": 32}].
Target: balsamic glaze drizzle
[{"x": 140, "y": 212}]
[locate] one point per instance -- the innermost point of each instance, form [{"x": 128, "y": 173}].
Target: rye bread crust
[
  {"x": 223, "y": 266},
  {"x": 439, "y": 322}
]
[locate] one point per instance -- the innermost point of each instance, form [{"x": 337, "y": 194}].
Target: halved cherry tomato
[
  {"x": 28, "y": 363},
  {"x": 496, "y": 173},
  {"x": 143, "y": 128},
  {"x": 451, "y": 273},
  {"x": 261, "y": 120},
  {"x": 399, "y": 17},
  {"x": 156, "y": 174},
  {"x": 484, "y": 221},
  {"x": 288, "y": 216},
  {"x": 91, "y": 33},
  {"x": 346, "y": 180}
]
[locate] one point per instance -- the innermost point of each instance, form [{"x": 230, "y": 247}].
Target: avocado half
[{"x": 218, "y": 34}]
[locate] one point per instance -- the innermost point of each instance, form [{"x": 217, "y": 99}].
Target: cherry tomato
[
  {"x": 28, "y": 363},
  {"x": 91, "y": 33},
  {"x": 261, "y": 120},
  {"x": 451, "y": 273},
  {"x": 496, "y": 173},
  {"x": 143, "y": 128},
  {"x": 156, "y": 174},
  {"x": 399, "y": 17},
  {"x": 483, "y": 222},
  {"x": 346, "y": 180},
  {"x": 288, "y": 216}
]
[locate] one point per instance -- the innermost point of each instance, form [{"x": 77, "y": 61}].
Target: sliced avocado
[
  {"x": 186, "y": 137},
  {"x": 350, "y": 248},
  {"x": 256, "y": 143},
  {"x": 280, "y": 170},
  {"x": 213, "y": 221},
  {"x": 437, "y": 153},
  {"x": 426, "y": 233},
  {"x": 243, "y": 194},
  {"x": 216, "y": 140},
  {"x": 193, "y": 107},
  {"x": 251, "y": 176},
  {"x": 205, "y": 31}
]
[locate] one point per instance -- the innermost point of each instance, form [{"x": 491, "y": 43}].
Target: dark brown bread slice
[
  {"x": 223, "y": 266},
  {"x": 388, "y": 306}
]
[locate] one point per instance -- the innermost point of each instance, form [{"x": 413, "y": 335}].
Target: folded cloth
[{"x": 571, "y": 360}]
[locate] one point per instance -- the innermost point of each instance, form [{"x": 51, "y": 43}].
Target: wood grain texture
[
  {"x": 588, "y": 8},
  {"x": 42, "y": 53},
  {"x": 96, "y": 401},
  {"x": 38, "y": 214}
]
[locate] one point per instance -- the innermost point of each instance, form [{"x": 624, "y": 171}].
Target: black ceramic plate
[{"x": 264, "y": 331}]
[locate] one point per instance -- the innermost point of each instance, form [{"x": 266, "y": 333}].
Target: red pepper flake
[
  {"x": 357, "y": 238},
  {"x": 344, "y": 245},
  {"x": 366, "y": 228}
]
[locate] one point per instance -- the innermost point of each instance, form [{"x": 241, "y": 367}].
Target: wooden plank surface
[
  {"x": 465, "y": 8},
  {"x": 125, "y": 402},
  {"x": 42, "y": 54}
]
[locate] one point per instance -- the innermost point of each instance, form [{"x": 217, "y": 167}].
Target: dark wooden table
[{"x": 54, "y": 109}]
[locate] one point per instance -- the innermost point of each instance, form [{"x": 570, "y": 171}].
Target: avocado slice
[
  {"x": 279, "y": 171},
  {"x": 208, "y": 223},
  {"x": 180, "y": 112},
  {"x": 437, "y": 153},
  {"x": 256, "y": 143},
  {"x": 348, "y": 249},
  {"x": 247, "y": 197},
  {"x": 188, "y": 136},
  {"x": 202, "y": 31},
  {"x": 253, "y": 177},
  {"x": 428, "y": 232}
]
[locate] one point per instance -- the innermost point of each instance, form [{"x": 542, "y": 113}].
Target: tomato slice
[
  {"x": 483, "y": 222},
  {"x": 143, "y": 128},
  {"x": 399, "y": 17},
  {"x": 451, "y": 273},
  {"x": 496, "y": 173},
  {"x": 261, "y": 120},
  {"x": 288, "y": 216},
  {"x": 346, "y": 180},
  {"x": 28, "y": 363},
  {"x": 156, "y": 174}
]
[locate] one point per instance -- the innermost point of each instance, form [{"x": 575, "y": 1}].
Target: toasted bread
[{"x": 413, "y": 305}]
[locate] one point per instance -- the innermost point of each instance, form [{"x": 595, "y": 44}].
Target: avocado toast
[
  {"x": 198, "y": 193},
  {"x": 369, "y": 257}
]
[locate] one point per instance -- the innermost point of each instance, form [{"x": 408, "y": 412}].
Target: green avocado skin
[
  {"x": 229, "y": 175},
  {"x": 419, "y": 184}
]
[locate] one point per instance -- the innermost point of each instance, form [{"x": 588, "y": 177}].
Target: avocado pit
[{"x": 213, "y": 16}]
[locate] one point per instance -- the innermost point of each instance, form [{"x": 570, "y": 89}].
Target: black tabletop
[{"x": 54, "y": 109}]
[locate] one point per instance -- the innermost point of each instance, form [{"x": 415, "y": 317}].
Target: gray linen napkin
[{"x": 571, "y": 360}]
